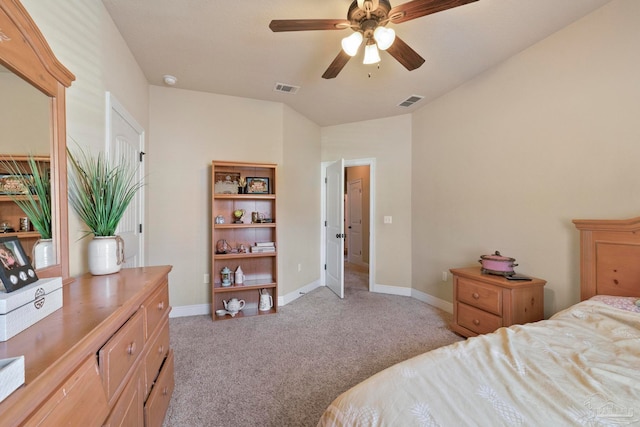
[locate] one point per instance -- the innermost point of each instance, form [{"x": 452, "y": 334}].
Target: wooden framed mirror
[{"x": 25, "y": 52}]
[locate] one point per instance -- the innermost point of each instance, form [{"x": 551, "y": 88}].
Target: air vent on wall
[
  {"x": 410, "y": 101},
  {"x": 283, "y": 87}
]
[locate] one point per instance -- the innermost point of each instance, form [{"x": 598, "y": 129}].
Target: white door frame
[
  {"x": 371, "y": 162},
  {"x": 112, "y": 104}
]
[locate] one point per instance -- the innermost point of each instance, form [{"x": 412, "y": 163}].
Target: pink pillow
[{"x": 623, "y": 303}]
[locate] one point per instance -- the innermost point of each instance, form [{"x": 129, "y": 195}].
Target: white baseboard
[
  {"x": 205, "y": 309},
  {"x": 292, "y": 296},
  {"x": 431, "y": 300},
  {"x": 421, "y": 296},
  {"x": 392, "y": 290},
  {"x": 190, "y": 310}
]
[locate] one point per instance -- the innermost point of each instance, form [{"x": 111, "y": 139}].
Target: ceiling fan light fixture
[
  {"x": 371, "y": 55},
  {"x": 351, "y": 44},
  {"x": 384, "y": 37}
]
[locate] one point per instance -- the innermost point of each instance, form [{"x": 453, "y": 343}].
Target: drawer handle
[
  {"x": 475, "y": 295},
  {"x": 476, "y": 322},
  {"x": 161, "y": 305},
  {"x": 161, "y": 349},
  {"x": 165, "y": 391},
  {"x": 131, "y": 349}
]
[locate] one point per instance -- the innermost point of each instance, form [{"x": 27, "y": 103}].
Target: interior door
[
  {"x": 335, "y": 228},
  {"x": 126, "y": 141},
  {"x": 354, "y": 223}
]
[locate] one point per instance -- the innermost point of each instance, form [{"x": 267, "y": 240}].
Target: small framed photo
[
  {"x": 257, "y": 185},
  {"x": 15, "y": 184},
  {"x": 15, "y": 269},
  {"x": 226, "y": 182}
]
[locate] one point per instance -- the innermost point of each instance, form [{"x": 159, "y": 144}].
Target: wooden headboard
[{"x": 609, "y": 257}]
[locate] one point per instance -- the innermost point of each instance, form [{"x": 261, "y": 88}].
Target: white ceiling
[{"x": 226, "y": 47}]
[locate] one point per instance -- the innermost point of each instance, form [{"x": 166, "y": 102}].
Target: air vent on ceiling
[
  {"x": 283, "y": 87},
  {"x": 410, "y": 101}
]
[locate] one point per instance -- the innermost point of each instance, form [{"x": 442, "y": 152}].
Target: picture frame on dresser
[
  {"x": 257, "y": 185},
  {"x": 15, "y": 268}
]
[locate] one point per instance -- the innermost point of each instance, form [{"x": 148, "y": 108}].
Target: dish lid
[{"x": 496, "y": 257}]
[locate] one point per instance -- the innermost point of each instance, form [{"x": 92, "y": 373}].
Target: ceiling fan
[{"x": 368, "y": 20}]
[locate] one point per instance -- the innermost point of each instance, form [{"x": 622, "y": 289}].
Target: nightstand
[{"x": 486, "y": 302}]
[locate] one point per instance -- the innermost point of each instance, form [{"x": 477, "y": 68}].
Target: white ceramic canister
[{"x": 239, "y": 276}]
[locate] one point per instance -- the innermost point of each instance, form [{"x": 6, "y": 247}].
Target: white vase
[
  {"x": 43, "y": 253},
  {"x": 106, "y": 255}
]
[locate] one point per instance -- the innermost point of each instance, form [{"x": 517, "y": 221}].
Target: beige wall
[
  {"x": 389, "y": 142},
  {"x": 190, "y": 129},
  {"x": 506, "y": 161},
  {"x": 299, "y": 213},
  {"x": 84, "y": 38}
]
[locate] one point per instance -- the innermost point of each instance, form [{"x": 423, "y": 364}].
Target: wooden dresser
[
  {"x": 102, "y": 359},
  {"x": 486, "y": 302}
]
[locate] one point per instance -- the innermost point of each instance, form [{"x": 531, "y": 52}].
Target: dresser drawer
[
  {"x": 80, "y": 398},
  {"x": 480, "y": 295},
  {"x": 156, "y": 306},
  {"x": 128, "y": 411},
  {"x": 476, "y": 320},
  {"x": 156, "y": 407},
  {"x": 157, "y": 352},
  {"x": 120, "y": 353}
]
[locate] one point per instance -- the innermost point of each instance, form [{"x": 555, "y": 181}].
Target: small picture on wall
[
  {"x": 257, "y": 185},
  {"x": 15, "y": 269}
]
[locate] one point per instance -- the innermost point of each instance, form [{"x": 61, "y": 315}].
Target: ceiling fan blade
[
  {"x": 417, "y": 8},
  {"x": 405, "y": 55},
  {"x": 337, "y": 65},
  {"x": 278, "y": 25}
]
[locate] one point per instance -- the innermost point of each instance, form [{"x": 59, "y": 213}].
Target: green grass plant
[{"x": 100, "y": 191}]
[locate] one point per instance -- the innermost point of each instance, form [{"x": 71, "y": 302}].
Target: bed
[{"x": 580, "y": 367}]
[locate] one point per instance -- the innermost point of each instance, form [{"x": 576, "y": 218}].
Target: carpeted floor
[{"x": 285, "y": 369}]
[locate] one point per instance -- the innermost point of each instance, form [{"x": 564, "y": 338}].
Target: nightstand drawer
[
  {"x": 485, "y": 297},
  {"x": 476, "y": 320}
]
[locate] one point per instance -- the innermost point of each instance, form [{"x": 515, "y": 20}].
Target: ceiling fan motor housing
[{"x": 368, "y": 20}]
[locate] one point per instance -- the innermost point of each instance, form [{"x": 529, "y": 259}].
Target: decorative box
[
  {"x": 11, "y": 375},
  {"x": 24, "y": 307}
]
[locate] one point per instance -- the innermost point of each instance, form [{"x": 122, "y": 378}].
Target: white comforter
[{"x": 581, "y": 367}]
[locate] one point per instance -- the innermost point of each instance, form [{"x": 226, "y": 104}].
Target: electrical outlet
[
  {"x": 388, "y": 220},
  {"x": 445, "y": 276},
  {"x": 205, "y": 278},
  {"x": 299, "y": 267}
]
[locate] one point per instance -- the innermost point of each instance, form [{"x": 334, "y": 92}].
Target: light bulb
[
  {"x": 351, "y": 44},
  {"x": 371, "y": 55},
  {"x": 384, "y": 37}
]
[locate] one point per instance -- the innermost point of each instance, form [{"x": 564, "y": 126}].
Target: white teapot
[{"x": 233, "y": 305}]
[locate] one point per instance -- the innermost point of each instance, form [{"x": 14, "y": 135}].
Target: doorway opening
[
  {"x": 348, "y": 251},
  {"x": 357, "y": 227}
]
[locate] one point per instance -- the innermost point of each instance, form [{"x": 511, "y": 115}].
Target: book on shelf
[
  {"x": 262, "y": 249},
  {"x": 265, "y": 243}
]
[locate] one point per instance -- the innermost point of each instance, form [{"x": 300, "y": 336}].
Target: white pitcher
[{"x": 266, "y": 300}]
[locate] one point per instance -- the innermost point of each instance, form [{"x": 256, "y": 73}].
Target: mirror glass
[{"x": 25, "y": 125}]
